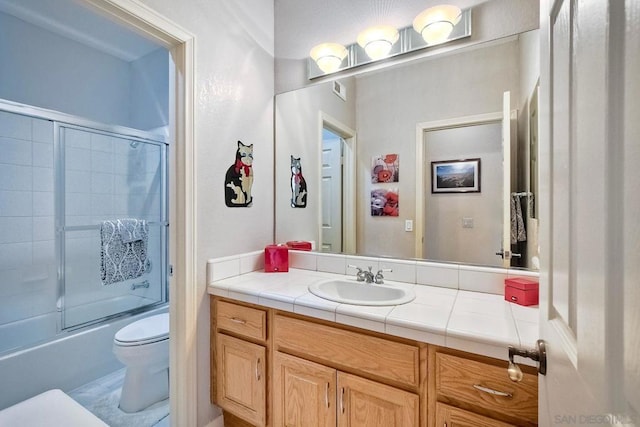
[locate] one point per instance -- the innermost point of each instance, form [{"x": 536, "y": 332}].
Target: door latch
[{"x": 538, "y": 354}]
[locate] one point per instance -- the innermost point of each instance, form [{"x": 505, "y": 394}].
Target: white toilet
[{"x": 143, "y": 346}]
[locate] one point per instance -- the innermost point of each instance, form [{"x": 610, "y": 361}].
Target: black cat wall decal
[
  {"x": 239, "y": 178},
  {"x": 298, "y": 185}
]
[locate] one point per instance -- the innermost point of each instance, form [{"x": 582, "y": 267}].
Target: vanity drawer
[
  {"x": 486, "y": 387},
  {"x": 245, "y": 321},
  {"x": 348, "y": 350}
]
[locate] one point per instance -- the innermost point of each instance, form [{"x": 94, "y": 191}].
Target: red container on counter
[
  {"x": 300, "y": 245},
  {"x": 276, "y": 258},
  {"x": 521, "y": 291}
]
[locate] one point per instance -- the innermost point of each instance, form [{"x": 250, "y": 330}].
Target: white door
[
  {"x": 506, "y": 179},
  {"x": 590, "y": 210},
  {"x": 331, "y": 194}
]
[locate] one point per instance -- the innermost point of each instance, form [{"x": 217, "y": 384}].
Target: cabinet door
[
  {"x": 449, "y": 416},
  {"x": 369, "y": 404},
  {"x": 241, "y": 379},
  {"x": 304, "y": 393}
]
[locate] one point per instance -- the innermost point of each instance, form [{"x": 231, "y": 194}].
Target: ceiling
[
  {"x": 340, "y": 21},
  {"x": 72, "y": 20}
]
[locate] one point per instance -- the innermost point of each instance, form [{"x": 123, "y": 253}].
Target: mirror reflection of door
[
  {"x": 332, "y": 146},
  {"x": 462, "y": 227}
]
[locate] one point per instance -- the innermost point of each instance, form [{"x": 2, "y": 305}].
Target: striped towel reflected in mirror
[
  {"x": 123, "y": 251},
  {"x": 518, "y": 232}
]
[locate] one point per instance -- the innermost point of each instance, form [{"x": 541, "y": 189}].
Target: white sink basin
[{"x": 359, "y": 293}]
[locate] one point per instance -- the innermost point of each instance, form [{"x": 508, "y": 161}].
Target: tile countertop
[{"x": 480, "y": 323}]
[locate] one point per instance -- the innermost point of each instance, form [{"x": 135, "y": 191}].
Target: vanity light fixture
[
  {"x": 436, "y": 23},
  {"x": 328, "y": 56},
  {"x": 440, "y": 24},
  {"x": 377, "y": 41}
]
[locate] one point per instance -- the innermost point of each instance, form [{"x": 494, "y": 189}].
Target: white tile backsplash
[
  {"x": 434, "y": 274},
  {"x": 223, "y": 269},
  {"x": 251, "y": 262},
  {"x": 332, "y": 263},
  {"x": 402, "y": 271},
  {"x": 363, "y": 263},
  {"x": 482, "y": 279},
  {"x": 303, "y": 260}
]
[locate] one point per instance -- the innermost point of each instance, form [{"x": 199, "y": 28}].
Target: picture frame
[{"x": 455, "y": 176}]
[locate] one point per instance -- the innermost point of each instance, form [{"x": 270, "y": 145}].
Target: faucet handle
[
  {"x": 355, "y": 266},
  {"x": 359, "y": 274},
  {"x": 379, "y": 277}
]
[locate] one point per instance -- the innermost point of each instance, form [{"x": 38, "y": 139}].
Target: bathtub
[{"x": 67, "y": 361}]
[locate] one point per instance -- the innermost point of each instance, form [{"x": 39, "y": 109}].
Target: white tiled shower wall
[
  {"x": 27, "y": 246},
  {"x": 105, "y": 178}
]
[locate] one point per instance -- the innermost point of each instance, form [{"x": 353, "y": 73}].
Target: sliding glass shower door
[{"x": 112, "y": 224}]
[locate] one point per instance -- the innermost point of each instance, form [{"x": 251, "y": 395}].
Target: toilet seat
[{"x": 145, "y": 331}]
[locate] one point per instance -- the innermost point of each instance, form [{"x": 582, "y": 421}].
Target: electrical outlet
[
  {"x": 408, "y": 225},
  {"x": 467, "y": 222}
]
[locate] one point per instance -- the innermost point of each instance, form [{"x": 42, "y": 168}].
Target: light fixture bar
[{"x": 410, "y": 41}]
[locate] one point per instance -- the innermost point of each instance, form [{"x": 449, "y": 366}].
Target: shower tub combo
[{"x": 61, "y": 178}]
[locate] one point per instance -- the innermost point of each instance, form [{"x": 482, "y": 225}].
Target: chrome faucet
[
  {"x": 363, "y": 275},
  {"x": 368, "y": 276}
]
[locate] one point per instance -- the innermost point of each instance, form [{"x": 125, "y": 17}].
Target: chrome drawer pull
[
  {"x": 238, "y": 320},
  {"x": 492, "y": 391}
]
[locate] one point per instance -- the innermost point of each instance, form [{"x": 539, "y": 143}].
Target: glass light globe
[
  {"x": 436, "y": 23},
  {"x": 378, "y": 41},
  {"x": 328, "y": 56}
]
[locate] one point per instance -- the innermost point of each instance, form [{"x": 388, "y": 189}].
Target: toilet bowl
[{"x": 143, "y": 347}]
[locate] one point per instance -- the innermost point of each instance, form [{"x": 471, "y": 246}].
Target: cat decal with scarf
[{"x": 239, "y": 178}]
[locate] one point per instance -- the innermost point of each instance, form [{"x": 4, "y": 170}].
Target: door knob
[{"x": 539, "y": 354}]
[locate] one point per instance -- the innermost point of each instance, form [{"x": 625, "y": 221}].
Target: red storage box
[
  {"x": 300, "y": 245},
  {"x": 521, "y": 291},
  {"x": 276, "y": 258}
]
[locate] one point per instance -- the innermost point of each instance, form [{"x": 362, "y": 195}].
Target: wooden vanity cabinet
[
  {"x": 308, "y": 394},
  {"x": 303, "y": 392},
  {"x": 471, "y": 390},
  {"x": 330, "y": 366},
  {"x": 272, "y": 368},
  {"x": 239, "y": 361},
  {"x": 450, "y": 416}
]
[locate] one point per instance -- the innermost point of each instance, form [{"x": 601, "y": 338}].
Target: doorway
[{"x": 337, "y": 223}]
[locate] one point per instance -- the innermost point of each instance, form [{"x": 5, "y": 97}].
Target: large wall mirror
[{"x": 406, "y": 124}]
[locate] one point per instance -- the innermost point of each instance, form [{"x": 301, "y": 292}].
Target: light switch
[
  {"x": 467, "y": 222},
  {"x": 408, "y": 225}
]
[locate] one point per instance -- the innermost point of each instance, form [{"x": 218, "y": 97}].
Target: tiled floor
[{"x": 94, "y": 390}]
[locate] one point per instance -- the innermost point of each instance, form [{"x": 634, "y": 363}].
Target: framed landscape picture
[{"x": 455, "y": 176}]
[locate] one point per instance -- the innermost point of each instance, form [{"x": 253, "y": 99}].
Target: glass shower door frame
[{"x": 60, "y": 218}]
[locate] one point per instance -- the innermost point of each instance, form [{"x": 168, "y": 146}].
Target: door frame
[
  {"x": 183, "y": 303},
  {"x": 421, "y": 128},
  {"x": 348, "y": 181}
]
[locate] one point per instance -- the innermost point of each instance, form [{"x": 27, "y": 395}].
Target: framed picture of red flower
[
  {"x": 385, "y": 202},
  {"x": 385, "y": 168}
]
